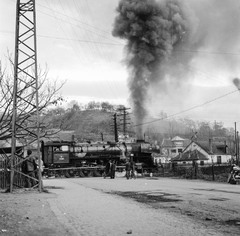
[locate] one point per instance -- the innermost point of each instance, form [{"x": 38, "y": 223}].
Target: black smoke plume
[
  {"x": 236, "y": 82},
  {"x": 152, "y": 30}
]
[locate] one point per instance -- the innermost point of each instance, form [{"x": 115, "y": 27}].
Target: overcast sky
[{"x": 75, "y": 41}]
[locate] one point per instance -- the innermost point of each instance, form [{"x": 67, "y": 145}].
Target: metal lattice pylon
[{"x": 25, "y": 114}]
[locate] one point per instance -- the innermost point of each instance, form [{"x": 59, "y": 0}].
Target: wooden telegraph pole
[
  {"x": 237, "y": 155},
  {"x": 115, "y": 127},
  {"x": 124, "y": 120},
  {"x": 236, "y": 140},
  {"x": 25, "y": 79}
]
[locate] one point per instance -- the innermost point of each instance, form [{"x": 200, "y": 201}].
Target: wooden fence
[{"x": 18, "y": 180}]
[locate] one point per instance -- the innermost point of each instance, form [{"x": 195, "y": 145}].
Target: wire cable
[{"x": 189, "y": 109}]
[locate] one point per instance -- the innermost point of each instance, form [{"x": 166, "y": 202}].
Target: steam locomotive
[{"x": 71, "y": 159}]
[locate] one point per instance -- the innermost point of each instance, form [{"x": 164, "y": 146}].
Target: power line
[
  {"x": 117, "y": 44},
  {"x": 75, "y": 19},
  {"x": 189, "y": 109},
  {"x": 207, "y": 52},
  {"x": 111, "y": 39},
  {"x": 67, "y": 39}
]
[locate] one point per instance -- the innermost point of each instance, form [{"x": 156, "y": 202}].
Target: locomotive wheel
[
  {"x": 67, "y": 175},
  {"x": 71, "y": 173},
  {"x": 90, "y": 174},
  {"x": 96, "y": 174},
  {"x": 80, "y": 173}
]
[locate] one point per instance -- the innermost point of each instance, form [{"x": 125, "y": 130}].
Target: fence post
[{"x": 213, "y": 176}]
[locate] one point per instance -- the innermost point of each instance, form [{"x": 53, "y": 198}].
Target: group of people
[
  {"x": 31, "y": 168},
  {"x": 110, "y": 169}
]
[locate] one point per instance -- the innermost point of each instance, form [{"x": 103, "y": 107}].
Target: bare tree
[{"x": 26, "y": 111}]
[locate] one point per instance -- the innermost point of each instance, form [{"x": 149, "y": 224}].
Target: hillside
[
  {"x": 87, "y": 124},
  {"x": 95, "y": 124}
]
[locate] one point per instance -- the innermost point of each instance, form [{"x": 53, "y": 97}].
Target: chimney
[{"x": 210, "y": 146}]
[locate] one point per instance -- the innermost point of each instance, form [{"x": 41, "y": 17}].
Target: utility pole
[
  {"x": 124, "y": 119},
  {"x": 25, "y": 88},
  {"x": 237, "y": 155},
  {"x": 235, "y": 139},
  {"x": 115, "y": 127},
  {"x": 102, "y": 136}
]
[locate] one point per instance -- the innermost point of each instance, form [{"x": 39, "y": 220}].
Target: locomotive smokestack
[{"x": 152, "y": 30}]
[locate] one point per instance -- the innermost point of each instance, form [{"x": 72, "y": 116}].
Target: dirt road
[
  {"x": 146, "y": 206},
  {"x": 149, "y": 206}
]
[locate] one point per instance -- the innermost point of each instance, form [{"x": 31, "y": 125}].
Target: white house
[
  {"x": 170, "y": 148},
  {"x": 204, "y": 153}
]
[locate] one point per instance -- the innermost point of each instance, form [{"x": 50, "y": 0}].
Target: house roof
[
  {"x": 170, "y": 142},
  {"x": 194, "y": 155},
  {"x": 66, "y": 135},
  {"x": 218, "y": 148},
  {"x": 7, "y": 143},
  {"x": 177, "y": 138}
]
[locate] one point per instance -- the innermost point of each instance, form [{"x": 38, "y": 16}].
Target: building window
[
  {"x": 201, "y": 163},
  {"x": 219, "y": 160},
  {"x": 173, "y": 151},
  {"x": 179, "y": 150}
]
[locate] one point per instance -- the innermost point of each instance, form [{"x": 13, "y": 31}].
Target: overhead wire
[
  {"x": 112, "y": 39},
  {"x": 182, "y": 51},
  {"x": 112, "y": 88},
  {"x": 102, "y": 33},
  {"x": 111, "y": 84},
  {"x": 187, "y": 110},
  {"x": 86, "y": 57},
  {"x": 95, "y": 49},
  {"x": 58, "y": 25},
  {"x": 69, "y": 39},
  {"x": 75, "y": 19}
]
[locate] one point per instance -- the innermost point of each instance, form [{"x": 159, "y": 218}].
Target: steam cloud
[{"x": 152, "y": 30}]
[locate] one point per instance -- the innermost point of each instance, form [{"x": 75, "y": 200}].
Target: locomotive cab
[{"x": 56, "y": 154}]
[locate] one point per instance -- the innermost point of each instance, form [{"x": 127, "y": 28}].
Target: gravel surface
[{"x": 145, "y": 206}]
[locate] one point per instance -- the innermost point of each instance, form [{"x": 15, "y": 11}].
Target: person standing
[
  {"x": 108, "y": 169},
  {"x": 41, "y": 166},
  {"x": 29, "y": 168},
  {"x": 113, "y": 170},
  {"x": 133, "y": 170},
  {"x": 128, "y": 169}
]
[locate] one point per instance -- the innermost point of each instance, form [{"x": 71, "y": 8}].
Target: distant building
[
  {"x": 6, "y": 149},
  {"x": 204, "y": 152},
  {"x": 170, "y": 148}
]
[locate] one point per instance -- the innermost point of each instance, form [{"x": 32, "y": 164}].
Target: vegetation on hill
[
  {"x": 88, "y": 124},
  {"x": 95, "y": 121}
]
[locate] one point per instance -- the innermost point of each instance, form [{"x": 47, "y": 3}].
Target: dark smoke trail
[
  {"x": 152, "y": 30},
  {"x": 236, "y": 82}
]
